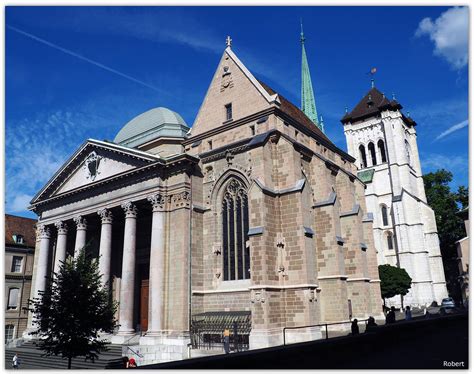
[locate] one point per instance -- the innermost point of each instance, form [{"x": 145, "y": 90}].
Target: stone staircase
[{"x": 30, "y": 358}]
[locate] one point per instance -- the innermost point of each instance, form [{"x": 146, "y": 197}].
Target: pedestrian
[
  {"x": 15, "y": 361},
  {"x": 407, "y": 313},
  {"x": 390, "y": 318},
  {"x": 125, "y": 362},
  {"x": 355, "y": 327},
  {"x": 132, "y": 363},
  {"x": 371, "y": 325},
  {"x": 226, "y": 341}
]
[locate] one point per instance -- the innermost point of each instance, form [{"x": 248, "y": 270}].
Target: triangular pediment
[
  {"x": 92, "y": 162},
  {"x": 232, "y": 84}
]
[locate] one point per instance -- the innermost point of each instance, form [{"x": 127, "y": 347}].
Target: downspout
[{"x": 189, "y": 255}]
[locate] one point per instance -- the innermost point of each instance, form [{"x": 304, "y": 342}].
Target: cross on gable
[{"x": 228, "y": 41}]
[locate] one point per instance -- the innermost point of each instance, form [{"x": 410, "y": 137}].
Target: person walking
[
  {"x": 371, "y": 325},
  {"x": 408, "y": 313},
  {"x": 355, "y": 327},
  {"x": 390, "y": 318},
  {"x": 15, "y": 361},
  {"x": 226, "y": 341}
]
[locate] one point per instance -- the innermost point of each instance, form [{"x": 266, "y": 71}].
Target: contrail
[
  {"x": 453, "y": 128},
  {"x": 74, "y": 54}
]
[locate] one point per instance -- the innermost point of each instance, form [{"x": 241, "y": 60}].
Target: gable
[
  {"x": 232, "y": 83},
  {"x": 92, "y": 162}
]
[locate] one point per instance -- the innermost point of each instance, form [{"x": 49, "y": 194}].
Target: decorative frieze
[
  {"x": 61, "y": 226},
  {"x": 80, "y": 222},
  {"x": 106, "y": 215},
  {"x": 130, "y": 209},
  {"x": 181, "y": 199}
]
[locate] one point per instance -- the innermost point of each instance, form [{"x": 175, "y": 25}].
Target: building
[
  {"x": 383, "y": 141},
  {"x": 251, "y": 216},
  {"x": 19, "y": 255},
  {"x": 462, "y": 247}
]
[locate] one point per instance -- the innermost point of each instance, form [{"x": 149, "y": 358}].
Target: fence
[{"x": 326, "y": 330}]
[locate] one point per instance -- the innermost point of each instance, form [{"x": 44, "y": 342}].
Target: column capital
[
  {"x": 130, "y": 209},
  {"x": 81, "y": 222},
  {"x": 61, "y": 226},
  {"x": 158, "y": 202},
  {"x": 43, "y": 231},
  {"x": 106, "y": 215}
]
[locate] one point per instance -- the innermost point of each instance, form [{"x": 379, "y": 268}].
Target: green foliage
[
  {"x": 394, "y": 281},
  {"x": 446, "y": 204},
  {"x": 72, "y": 312}
]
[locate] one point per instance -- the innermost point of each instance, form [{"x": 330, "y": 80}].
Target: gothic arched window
[
  {"x": 235, "y": 227},
  {"x": 372, "y": 153},
  {"x": 363, "y": 158},
  {"x": 381, "y": 146},
  {"x": 389, "y": 240},
  {"x": 384, "y": 215}
]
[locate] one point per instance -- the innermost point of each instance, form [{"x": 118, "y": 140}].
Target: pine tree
[{"x": 74, "y": 310}]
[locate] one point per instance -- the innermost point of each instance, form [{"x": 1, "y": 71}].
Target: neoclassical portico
[{"x": 108, "y": 229}]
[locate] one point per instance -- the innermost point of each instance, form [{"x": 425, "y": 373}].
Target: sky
[{"x": 74, "y": 73}]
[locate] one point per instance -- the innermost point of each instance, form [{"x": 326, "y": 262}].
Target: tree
[
  {"x": 393, "y": 281},
  {"x": 72, "y": 312},
  {"x": 446, "y": 204}
]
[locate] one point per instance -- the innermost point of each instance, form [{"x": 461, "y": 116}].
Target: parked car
[
  {"x": 448, "y": 302},
  {"x": 448, "y": 306}
]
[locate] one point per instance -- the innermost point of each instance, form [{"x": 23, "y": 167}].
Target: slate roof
[
  {"x": 293, "y": 111},
  {"x": 370, "y": 105},
  {"x": 15, "y": 225}
]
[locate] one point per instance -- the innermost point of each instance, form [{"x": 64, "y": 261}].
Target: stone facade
[
  {"x": 258, "y": 211},
  {"x": 383, "y": 141},
  {"x": 20, "y": 241}
]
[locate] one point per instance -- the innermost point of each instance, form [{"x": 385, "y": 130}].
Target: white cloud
[
  {"x": 36, "y": 148},
  {"x": 452, "y": 129},
  {"x": 20, "y": 203},
  {"x": 449, "y": 33},
  {"x": 436, "y": 161}
]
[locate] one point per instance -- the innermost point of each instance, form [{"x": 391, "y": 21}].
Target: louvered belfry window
[{"x": 235, "y": 227}]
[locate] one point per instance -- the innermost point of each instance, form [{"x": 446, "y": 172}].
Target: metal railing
[
  {"x": 135, "y": 353},
  {"x": 321, "y": 325}
]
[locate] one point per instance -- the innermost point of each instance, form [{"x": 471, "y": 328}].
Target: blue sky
[{"x": 74, "y": 73}]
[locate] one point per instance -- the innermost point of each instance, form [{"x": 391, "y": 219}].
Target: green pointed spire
[{"x": 308, "y": 104}]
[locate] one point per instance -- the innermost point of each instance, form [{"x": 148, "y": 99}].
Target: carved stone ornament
[
  {"x": 216, "y": 249},
  {"x": 218, "y": 274},
  {"x": 61, "y": 226},
  {"x": 106, "y": 215},
  {"x": 158, "y": 202},
  {"x": 80, "y": 222},
  {"x": 310, "y": 295},
  {"x": 229, "y": 157},
  {"x": 130, "y": 209},
  {"x": 257, "y": 296},
  {"x": 181, "y": 199},
  {"x": 43, "y": 231},
  {"x": 226, "y": 81},
  {"x": 91, "y": 165}
]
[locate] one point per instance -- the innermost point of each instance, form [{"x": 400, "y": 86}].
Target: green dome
[{"x": 153, "y": 124}]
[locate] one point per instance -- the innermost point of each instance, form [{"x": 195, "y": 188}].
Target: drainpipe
[{"x": 189, "y": 255}]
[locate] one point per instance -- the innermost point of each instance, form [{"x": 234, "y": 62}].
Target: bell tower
[{"x": 383, "y": 141}]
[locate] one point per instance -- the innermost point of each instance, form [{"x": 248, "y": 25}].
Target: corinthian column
[
  {"x": 42, "y": 266},
  {"x": 105, "y": 250},
  {"x": 61, "y": 245},
  {"x": 157, "y": 266},
  {"x": 128, "y": 270},
  {"x": 81, "y": 225}
]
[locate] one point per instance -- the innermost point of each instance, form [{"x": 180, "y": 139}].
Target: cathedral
[{"x": 251, "y": 219}]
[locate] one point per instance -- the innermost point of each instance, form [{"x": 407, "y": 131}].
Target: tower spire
[{"x": 308, "y": 103}]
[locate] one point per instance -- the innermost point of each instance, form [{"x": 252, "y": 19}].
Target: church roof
[
  {"x": 154, "y": 123},
  {"x": 370, "y": 105},
  {"x": 296, "y": 113}
]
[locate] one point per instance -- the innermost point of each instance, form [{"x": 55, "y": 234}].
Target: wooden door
[{"x": 144, "y": 305}]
